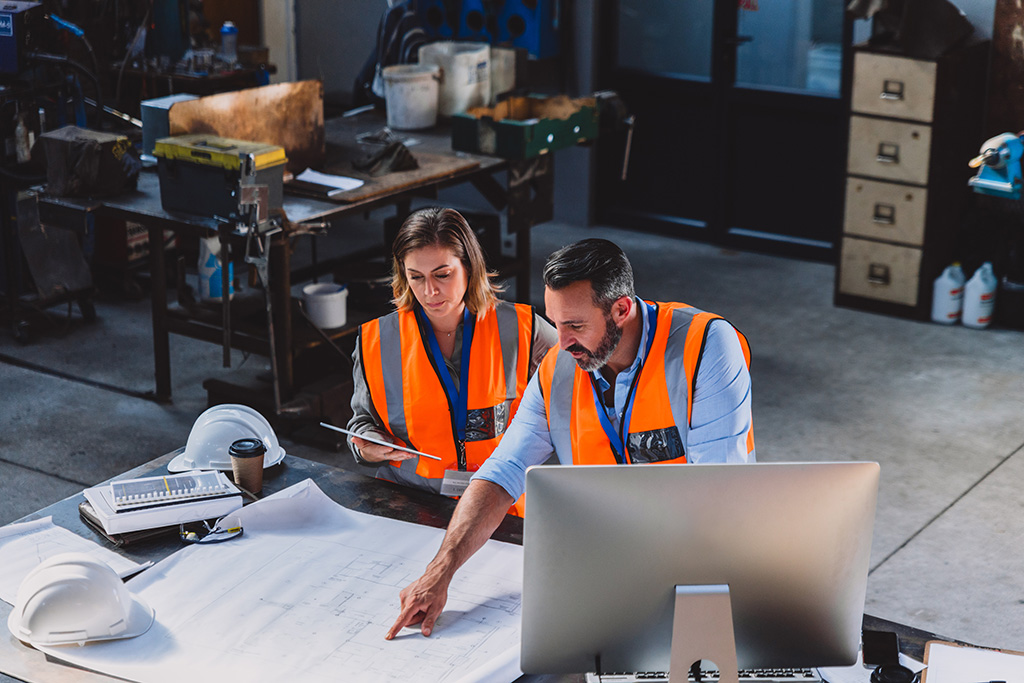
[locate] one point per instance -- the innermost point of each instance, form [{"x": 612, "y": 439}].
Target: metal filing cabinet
[{"x": 914, "y": 125}]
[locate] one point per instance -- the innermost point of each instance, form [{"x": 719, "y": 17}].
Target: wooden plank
[
  {"x": 287, "y": 114},
  {"x": 431, "y": 167}
]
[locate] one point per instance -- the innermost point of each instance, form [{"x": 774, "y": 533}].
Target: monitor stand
[{"x": 702, "y": 629}]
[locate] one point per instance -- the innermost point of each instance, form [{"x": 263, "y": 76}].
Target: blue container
[{"x": 229, "y": 42}]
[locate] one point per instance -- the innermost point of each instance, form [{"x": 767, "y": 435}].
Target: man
[{"x": 672, "y": 379}]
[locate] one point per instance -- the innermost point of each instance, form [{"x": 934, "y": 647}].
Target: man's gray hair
[{"x": 598, "y": 261}]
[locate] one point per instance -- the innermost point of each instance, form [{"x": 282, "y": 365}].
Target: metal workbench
[{"x": 527, "y": 197}]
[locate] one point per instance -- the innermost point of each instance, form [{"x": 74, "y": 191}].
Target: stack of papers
[
  {"x": 123, "y": 521},
  {"x": 956, "y": 663}
]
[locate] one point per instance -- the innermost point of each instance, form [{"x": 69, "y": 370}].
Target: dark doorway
[{"x": 741, "y": 121}]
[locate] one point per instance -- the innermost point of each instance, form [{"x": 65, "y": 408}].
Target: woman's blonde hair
[{"x": 445, "y": 228}]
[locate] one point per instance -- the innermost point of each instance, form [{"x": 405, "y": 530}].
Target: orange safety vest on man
[
  {"x": 662, "y": 394},
  {"x": 409, "y": 397}
]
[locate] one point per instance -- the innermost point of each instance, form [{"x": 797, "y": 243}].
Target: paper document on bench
[
  {"x": 25, "y": 545},
  {"x": 307, "y": 593},
  {"x": 952, "y": 663},
  {"x": 340, "y": 182}
]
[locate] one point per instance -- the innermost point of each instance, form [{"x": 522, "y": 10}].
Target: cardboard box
[
  {"x": 199, "y": 173},
  {"x": 524, "y": 127},
  {"x": 120, "y": 242}
]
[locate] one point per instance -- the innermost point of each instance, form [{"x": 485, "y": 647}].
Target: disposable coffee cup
[{"x": 247, "y": 463}]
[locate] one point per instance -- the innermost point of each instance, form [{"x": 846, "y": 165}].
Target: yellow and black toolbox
[{"x": 200, "y": 173}]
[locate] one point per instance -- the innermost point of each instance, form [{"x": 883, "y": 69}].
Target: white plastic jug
[
  {"x": 948, "y": 295},
  {"x": 980, "y": 297}
]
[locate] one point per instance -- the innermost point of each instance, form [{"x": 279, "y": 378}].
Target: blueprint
[
  {"x": 306, "y": 593},
  {"x": 24, "y": 545}
]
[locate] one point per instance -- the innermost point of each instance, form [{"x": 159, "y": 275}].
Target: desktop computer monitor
[{"x": 606, "y": 546}]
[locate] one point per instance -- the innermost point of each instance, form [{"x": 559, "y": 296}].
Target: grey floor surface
[{"x": 939, "y": 407}]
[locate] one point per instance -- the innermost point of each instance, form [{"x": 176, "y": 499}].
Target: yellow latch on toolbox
[{"x": 224, "y": 153}]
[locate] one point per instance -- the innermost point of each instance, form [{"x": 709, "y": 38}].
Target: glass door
[{"x": 741, "y": 122}]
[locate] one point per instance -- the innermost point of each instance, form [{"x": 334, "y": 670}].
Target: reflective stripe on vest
[
  {"x": 409, "y": 396},
  {"x": 659, "y": 426}
]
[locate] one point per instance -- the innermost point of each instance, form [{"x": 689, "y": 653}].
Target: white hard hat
[
  {"x": 72, "y": 598},
  {"x": 216, "y": 429}
]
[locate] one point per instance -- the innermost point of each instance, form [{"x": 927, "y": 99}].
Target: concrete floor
[{"x": 939, "y": 407}]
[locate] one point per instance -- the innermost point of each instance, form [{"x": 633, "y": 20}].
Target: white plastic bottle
[
  {"x": 948, "y": 295},
  {"x": 980, "y": 297}
]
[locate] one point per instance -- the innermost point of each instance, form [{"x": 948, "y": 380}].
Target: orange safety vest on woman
[
  {"x": 662, "y": 395},
  {"x": 409, "y": 397}
]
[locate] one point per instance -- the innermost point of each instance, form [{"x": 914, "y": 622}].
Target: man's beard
[{"x": 593, "y": 360}]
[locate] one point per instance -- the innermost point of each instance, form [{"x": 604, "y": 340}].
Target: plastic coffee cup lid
[{"x": 247, "y": 448}]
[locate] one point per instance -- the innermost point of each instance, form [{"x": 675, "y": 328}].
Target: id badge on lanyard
[
  {"x": 455, "y": 482},
  {"x": 458, "y": 400},
  {"x": 617, "y": 440}
]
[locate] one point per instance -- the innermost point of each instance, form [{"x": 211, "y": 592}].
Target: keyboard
[{"x": 746, "y": 676}]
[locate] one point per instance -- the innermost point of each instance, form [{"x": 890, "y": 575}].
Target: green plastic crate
[{"x": 525, "y": 127}]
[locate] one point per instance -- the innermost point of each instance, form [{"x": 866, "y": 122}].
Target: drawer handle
[
  {"x": 878, "y": 273},
  {"x": 892, "y": 90},
  {"x": 888, "y": 153},
  {"x": 885, "y": 214}
]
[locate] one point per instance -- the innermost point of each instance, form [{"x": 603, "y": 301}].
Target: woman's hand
[{"x": 373, "y": 452}]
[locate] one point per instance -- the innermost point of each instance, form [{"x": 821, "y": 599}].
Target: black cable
[
  {"x": 46, "y": 370},
  {"x": 59, "y": 60},
  {"x": 80, "y": 34},
  {"x": 30, "y": 179},
  {"x": 128, "y": 54},
  {"x": 325, "y": 336}
]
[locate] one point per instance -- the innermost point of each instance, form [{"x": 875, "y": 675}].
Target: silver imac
[{"x": 605, "y": 548}]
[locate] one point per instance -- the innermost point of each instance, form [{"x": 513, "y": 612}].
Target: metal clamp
[{"x": 260, "y": 259}]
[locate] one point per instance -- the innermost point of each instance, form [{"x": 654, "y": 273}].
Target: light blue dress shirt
[{"x": 719, "y": 422}]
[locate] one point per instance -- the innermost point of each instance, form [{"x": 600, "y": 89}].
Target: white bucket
[
  {"x": 210, "y": 285},
  {"x": 465, "y": 74},
  {"x": 326, "y": 304},
  {"x": 410, "y": 95}
]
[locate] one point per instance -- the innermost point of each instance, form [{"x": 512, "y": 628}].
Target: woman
[{"x": 444, "y": 373}]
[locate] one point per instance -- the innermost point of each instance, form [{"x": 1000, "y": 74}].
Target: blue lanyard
[
  {"x": 458, "y": 400},
  {"x": 616, "y": 438}
]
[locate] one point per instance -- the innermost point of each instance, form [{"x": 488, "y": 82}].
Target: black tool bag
[
  {"x": 88, "y": 163},
  {"x": 399, "y": 37}
]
